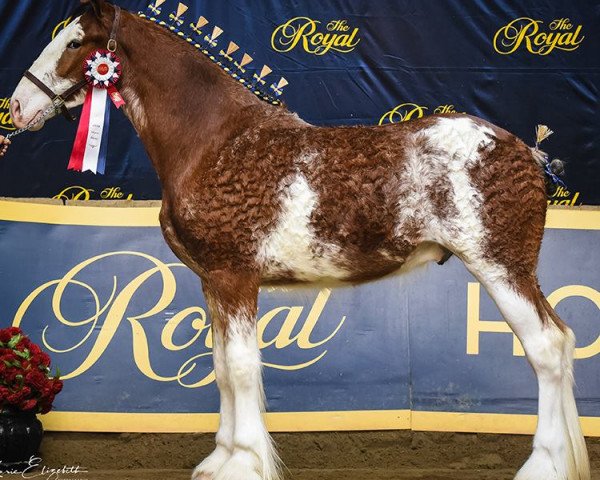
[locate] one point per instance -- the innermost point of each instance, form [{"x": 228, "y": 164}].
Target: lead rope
[{"x": 52, "y": 109}]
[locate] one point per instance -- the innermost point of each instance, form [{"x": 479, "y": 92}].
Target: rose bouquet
[{"x": 26, "y": 383}]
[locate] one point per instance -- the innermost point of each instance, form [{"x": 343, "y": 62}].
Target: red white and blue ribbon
[{"x": 102, "y": 70}]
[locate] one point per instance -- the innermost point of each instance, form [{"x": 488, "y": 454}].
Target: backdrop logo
[
  {"x": 562, "y": 196},
  {"x": 410, "y": 111},
  {"x": 77, "y": 192},
  {"x": 60, "y": 26},
  {"x": 134, "y": 302},
  {"x": 5, "y": 120},
  {"x": 309, "y": 34},
  {"x": 527, "y": 33}
]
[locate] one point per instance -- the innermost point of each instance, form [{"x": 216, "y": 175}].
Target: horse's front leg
[
  {"x": 208, "y": 468},
  {"x": 246, "y": 445}
]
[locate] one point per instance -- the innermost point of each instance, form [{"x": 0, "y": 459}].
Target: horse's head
[{"x": 60, "y": 66}]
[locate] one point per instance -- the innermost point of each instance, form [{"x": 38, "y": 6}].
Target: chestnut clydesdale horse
[{"x": 251, "y": 194}]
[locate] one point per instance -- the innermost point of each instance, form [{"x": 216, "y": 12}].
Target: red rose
[
  {"x": 23, "y": 344},
  {"x": 9, "y": 356},
  {"x": 44, "y": 359},
  {"x": 26, "y": 405},
  {"x": 35, "y": 379},
  {"x": 14, "y": 398},
  {"x": 35, "y": 349},
  {"x": 57, "y": 386},
  {"x": 10, "y": 375},
  {"x": 5, "y": 335},
  {"x": 46, "y": 390},
  {"x": 25, "y": 383}
]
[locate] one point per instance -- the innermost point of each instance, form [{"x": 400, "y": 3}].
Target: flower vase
[{"x": 20, "y": 439}]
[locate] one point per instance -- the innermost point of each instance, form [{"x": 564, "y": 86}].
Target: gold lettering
[
  {"x": 60, "y": 26},
  {"x": 303, "y": 31},
  {"x": 402, "y": 113},
  {"x": 76, "y": 192},
  {"x": 475, "y": 326},
  {"x": 525, "y": 31},
  {"x": 585, "y": 292},
  {"x": 6, "y": 121},
  {"x": 118, "y": 307}
]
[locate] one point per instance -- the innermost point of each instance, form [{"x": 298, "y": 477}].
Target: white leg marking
[
  {"x": 559, "y": 450},
  {"x": 209, "y": 467},
  {"x": 292, "y": 246},
  {"x": 254, "y": 457}
]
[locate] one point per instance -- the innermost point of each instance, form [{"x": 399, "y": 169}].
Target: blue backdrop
[
  {"x": 127, "y": 325},
  {"x": 514, "y": 63}
]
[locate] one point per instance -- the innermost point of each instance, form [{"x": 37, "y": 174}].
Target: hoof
[
  {"x": 201, "y": 476},
  {"x": 539, "y": 466},
  {"x": 241, "y": 466},
  {"x": 208, "y": 468}
]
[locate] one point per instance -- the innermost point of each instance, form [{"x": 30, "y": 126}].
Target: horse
[{"x": 253, "y": 195}]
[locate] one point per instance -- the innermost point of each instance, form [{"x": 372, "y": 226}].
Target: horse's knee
[{"x": 243, "y": 360}]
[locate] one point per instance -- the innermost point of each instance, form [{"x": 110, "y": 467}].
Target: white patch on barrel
[
  {"x": 459, "y": 142},
  {"x": 292, "y": 246}
]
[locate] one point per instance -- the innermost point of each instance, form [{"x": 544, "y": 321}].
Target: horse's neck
[{"x": 181, "y": 104}]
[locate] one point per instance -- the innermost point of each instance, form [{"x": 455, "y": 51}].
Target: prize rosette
[{"x": 102, "y": 70}]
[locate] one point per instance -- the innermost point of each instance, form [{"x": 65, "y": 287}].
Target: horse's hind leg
[{"x": 559, "y": 451}]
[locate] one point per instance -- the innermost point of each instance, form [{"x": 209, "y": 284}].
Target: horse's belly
[{"x": 293, "y": 253}]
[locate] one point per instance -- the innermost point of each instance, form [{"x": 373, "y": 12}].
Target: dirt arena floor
[{"x": 394, "y": 455}]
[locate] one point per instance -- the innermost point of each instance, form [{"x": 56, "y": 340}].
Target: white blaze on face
[{"x": 30, "y": 97}]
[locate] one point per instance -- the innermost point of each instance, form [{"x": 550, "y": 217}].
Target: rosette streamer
[{"x": 102, "y": 70}]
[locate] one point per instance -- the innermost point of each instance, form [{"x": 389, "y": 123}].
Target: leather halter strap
[{"x": 59, "y": 100}]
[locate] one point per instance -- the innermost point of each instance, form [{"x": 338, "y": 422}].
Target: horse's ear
[{"x": 96, "y": 6}]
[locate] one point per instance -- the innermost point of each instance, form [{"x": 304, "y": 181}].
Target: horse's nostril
[{"x": 15, "y": 110}]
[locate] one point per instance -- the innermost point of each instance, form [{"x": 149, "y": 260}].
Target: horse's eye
[{"x": 74, "y": 44}]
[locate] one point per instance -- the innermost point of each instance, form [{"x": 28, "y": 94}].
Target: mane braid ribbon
[{"x": 102, "y": 70}]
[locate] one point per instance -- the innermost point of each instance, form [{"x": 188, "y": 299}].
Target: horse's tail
[{"x": 554, "y": 170}]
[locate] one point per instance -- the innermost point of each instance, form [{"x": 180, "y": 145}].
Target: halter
[{"x": 59, "y": 100}]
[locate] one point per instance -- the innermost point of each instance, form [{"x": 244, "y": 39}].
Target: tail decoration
[
  {"x": 206, "y": 42},
  {"x": 553, "y": 169}
]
